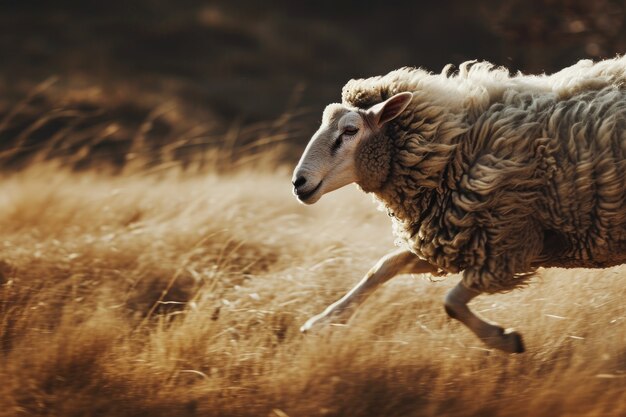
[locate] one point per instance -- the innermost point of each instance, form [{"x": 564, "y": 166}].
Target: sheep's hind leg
[
  {"x": 395, "y": 263},
  {"x": 491, "y": 334}
]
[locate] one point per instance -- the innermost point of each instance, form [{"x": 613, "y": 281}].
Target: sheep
[{"x": 483, "y": 173}]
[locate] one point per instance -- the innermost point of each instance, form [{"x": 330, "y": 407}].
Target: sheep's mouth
[{"x": 307, "y": 195}]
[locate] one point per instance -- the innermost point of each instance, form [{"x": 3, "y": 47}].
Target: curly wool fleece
[{"x": 497, "y": 175}]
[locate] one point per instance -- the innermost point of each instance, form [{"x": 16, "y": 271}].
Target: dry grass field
[{"x": 170, "y": 293}]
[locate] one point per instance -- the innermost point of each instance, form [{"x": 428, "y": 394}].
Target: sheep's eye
[
  {"x": 347, "y": 132},
  {"x": 350, "y": 131}
]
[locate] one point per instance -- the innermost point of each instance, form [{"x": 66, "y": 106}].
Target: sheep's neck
[
  {"x": 415, "y": 180},
  {"x": 423, "y": 168}
]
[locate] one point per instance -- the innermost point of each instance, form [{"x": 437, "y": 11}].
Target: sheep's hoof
[
  {"x": 332, "y": 317},
  {"x": 312, "y": 322},
  {"x": 508, "y": 341},
  {"x": 515, "y": 340}
]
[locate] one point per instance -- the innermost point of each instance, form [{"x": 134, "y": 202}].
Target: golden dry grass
[{"x": 178, "y": 295}]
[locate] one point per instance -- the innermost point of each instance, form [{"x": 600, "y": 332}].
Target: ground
[{"x": 176, "y": 292}]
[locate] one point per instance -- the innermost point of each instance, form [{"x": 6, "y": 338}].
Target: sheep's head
[{"x": 331, "y": 159}]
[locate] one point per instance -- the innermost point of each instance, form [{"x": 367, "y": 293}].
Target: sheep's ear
[{"x": 390, "y": 108}]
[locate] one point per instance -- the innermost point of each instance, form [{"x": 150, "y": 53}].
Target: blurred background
[{"x": 108, "y": 82}]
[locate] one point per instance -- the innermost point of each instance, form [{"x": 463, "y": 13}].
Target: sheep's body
[{"x": 497, "y": 175}]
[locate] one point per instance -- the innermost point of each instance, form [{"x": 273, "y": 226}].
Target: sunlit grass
[{"x": 180, "y": 294}]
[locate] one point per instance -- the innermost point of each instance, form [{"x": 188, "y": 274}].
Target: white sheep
[{"x": 483, "y": 173}]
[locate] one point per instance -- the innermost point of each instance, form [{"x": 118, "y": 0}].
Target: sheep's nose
[{"x": 300, "y": 181}]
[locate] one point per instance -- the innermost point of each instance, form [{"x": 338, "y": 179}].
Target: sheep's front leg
[
  {"x": 395, "y": 263},
  {"x": 491, "y": 334}
]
